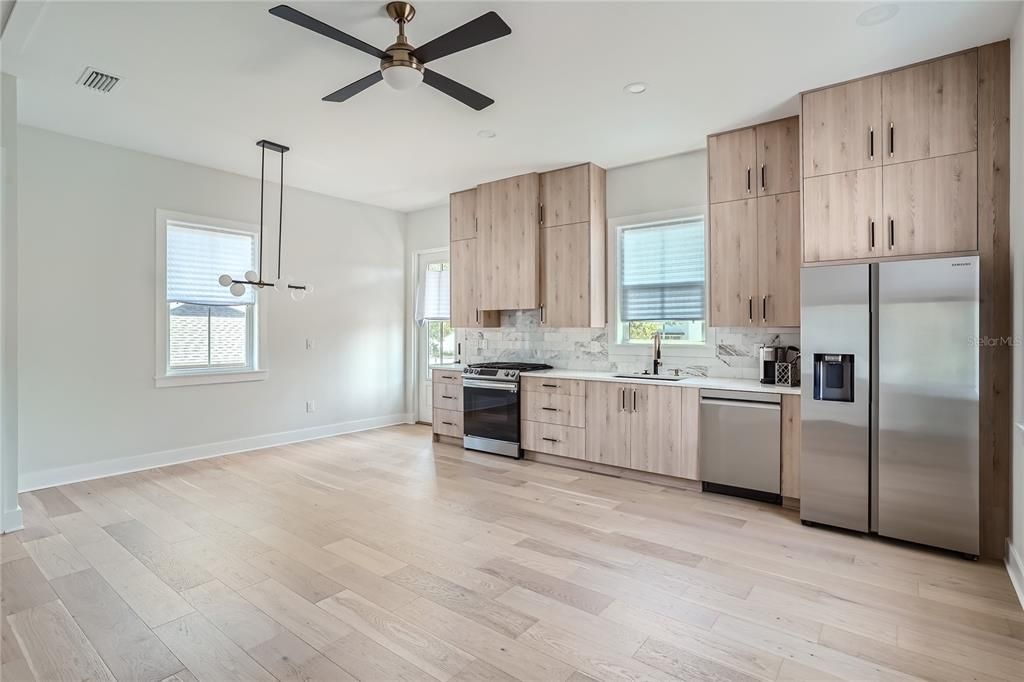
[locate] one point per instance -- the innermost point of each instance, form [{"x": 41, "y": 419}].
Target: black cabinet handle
[
  {"x": 892, "y": 232},
  {"x": 871, "y": 233},
  {"x": 550, "y": 409},
  {"x": 871, "y": 143},
  {"x": 892, "y": 139},
  {"x": 748, "y": 179},
  {"x": 550, "y": 440},
  {"x": 764, "y": 308},
  {"x": 448, "y": 423},
  {"x": 750, "y": 308},
  {"x": 550, "y": 385},
  {"x": 622, "y": 393},
  {"x": 634, "y": 400},
  {"x": 764, "y": 182}
]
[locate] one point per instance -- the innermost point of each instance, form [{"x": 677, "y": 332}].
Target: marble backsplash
[{"x": 521, "y": 338}]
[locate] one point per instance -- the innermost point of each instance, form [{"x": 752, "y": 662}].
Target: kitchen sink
[{"x": 649, "y": 377}]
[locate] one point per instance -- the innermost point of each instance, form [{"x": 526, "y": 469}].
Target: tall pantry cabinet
[
  {"x": 890, "y": 163},
  {"x": 754, "y": 226},
  {"x": 466, "y": 311}
]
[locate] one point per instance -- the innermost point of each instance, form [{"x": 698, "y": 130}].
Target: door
[
  {"x": 843, "y": 216},
  {"x": 462, "y": 214},
  {"x": 565, "y": 196},
  {"x": 842, "y": 127},
  {"x": 778, "y": 156},
  {"x": 778, "y": 259},
  {"x": 435, "y": 339},
  {"x": 733, "y": 271},
  {"x": 509, "y": 243},
  {"x": 931, "y": 109},
  {"x": 928, "y": 402},
  {"x": 656, "y": 442},
  {"x": 931, "y": 206},
  {"x": 731, "y": 161},
  {"x": 835, "y": 434},
  {"x": 565, "y": 276},
  {"x": 608, "y": 423}
]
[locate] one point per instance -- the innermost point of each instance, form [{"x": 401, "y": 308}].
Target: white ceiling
[{"x": 204, "y": 80}]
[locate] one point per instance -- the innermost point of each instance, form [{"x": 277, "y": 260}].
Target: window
[
  {"x": 204, "y": 333},
  {"x": 661, "y": 281},
  {"x": 433, "y": 312}
]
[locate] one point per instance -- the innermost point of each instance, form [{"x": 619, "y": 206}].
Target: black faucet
[{"x": 657, "y": 351}]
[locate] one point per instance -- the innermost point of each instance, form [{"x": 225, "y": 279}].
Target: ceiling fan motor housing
[{"x": 400, "y": 52}]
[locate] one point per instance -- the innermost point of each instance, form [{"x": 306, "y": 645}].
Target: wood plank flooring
[{"x": 384, "y": 556}]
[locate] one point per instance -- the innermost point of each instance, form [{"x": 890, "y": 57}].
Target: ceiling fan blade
[
  {"x": 467, "y": 96},
  {"x": 354, "y": 88},
  {"x": 483, "y": 29},
  {"x": 305, "y": 21}
]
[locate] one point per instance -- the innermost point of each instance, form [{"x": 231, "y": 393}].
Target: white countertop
[{"x": 694, "y": 382}]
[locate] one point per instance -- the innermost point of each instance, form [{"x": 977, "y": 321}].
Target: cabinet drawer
[
  {"x": 554, "y": 439},
  {"x": 559, "y": 386},
  {"x": 555, "y": 408},
  {"x": 447, "y": 376},
  {"x": 448, "y": 397},
  {"x": 448, "y": 423}
]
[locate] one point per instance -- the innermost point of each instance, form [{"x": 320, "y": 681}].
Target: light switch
[
  {"x": 310, "y": 406},
  {"x": 309, "y": 344}
]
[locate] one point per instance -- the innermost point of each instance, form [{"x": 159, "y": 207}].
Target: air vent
[{"x": 97, "y": 80}]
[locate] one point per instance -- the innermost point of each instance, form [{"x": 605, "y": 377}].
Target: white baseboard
[
  {"x": 126, "y": 465},
  {"x": 1015, "y": 567},
  {"x": 11, "y": 520}
]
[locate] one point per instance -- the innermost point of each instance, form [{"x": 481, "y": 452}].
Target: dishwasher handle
[{"x": 745, "y": 404}]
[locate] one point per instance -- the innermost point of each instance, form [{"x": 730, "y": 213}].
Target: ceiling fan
[{"x": 401, "y": 65}]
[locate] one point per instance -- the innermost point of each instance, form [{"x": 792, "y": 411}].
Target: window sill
[{"x": 200, "y": 378}]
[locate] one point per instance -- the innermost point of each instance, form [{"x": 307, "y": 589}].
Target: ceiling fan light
[{"x": 401, "y": 77}]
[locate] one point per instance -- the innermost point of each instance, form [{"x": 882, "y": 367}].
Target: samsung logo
[{"x": 960, "y": 265}]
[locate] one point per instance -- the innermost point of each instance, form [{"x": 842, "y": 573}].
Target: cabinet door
[
  {"x": 465, "y": 296},
  {"x": 791, "y": 446},
  {"x": 931, "y": 109},
  {"x": 656, "y": 432},
  {"x": 778, "y": 260},
  {"x": 843, "y": 216},
  {"x": 842, "y": 127},
  {"x": 931, "y": 206},
  {"x": 608, "y": 423},
  {"x": 565, "y": 196},
  {"x": 731, "y": 161},
  {"x": 778, "y": 156},
  {"x": 733, "y": 271},
  {"x": 565, "y": 276},
  {"x": 462, "y": 214},
  {"x": 509, "y": 236}
]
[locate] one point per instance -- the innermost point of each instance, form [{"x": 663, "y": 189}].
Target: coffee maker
[{"x": 767, "y": 358}]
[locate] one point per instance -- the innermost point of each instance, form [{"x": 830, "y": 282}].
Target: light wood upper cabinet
[
  {"x": 733, "y": 270},
  {"x": 465, "y": 295},
  {"x": 842, "y": 127},
  {"x": 778, "y": 156},
  {"x": 732, "y": 158},
  {"x": 572, "y": 195},
  {"x": 462, "y": 214},
  {"x": 843, "y": 216},
  {"x": 508, "y": 232},
  {"x": 931, "y": 206},
  {"x": 565, "y": 276},
  {"x": 778, "y": 259},
  {"x": 931, "y": 109},
  {"x": 608, "y": 423}
]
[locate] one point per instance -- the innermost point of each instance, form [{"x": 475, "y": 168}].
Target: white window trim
[
  {"x": 668, "y": 350},
  {"x": 163, "y": 378}
]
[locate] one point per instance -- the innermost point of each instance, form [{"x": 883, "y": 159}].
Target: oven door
[{"x": 490, "y": 415}]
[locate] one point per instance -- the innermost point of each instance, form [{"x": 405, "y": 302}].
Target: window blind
[
  {"x": 434, "y": 296},
  {"x": 662, "y": 271},
  {"x": 197, "y": 257}
]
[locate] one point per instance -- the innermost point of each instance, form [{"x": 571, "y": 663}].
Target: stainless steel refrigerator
[{"x": 889, "y": 399}]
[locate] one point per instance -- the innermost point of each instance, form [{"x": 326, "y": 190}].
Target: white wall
[
  {"x": 86, "y": 335},
  {"x": 679, "y": 181},
  {"x": 10, "y": 512},
  {"x": 1015, "y": 554}
]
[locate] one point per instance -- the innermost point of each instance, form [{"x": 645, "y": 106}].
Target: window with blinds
[
  {"x": 208, "y": 329},
  {"x": 661, "y": 281}
]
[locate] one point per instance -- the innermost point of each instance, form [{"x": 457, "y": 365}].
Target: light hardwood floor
[{"x": 384, "y": 556}]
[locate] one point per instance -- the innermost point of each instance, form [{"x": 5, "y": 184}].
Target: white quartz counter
[{"x": 693, "y": 382}]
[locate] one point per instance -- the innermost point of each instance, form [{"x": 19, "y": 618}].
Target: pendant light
[{"x": 255, "y": 279}]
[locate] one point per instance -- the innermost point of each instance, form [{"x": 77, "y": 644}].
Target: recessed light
[
  {"x": 635, "y": 88},
  {"x": 879, "y": 14},
  {"x": 486, "y": 134}
]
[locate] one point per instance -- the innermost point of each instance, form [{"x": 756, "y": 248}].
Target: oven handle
[{"x": 507, "y": 386}]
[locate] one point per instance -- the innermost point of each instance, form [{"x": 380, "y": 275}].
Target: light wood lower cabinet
[
  {"x": 560, "y": 386},
  {"x": 554, "y": 439},
  {"x": 554, "y": 408},
  {"x": 448, "y": 423},
  {"x": 608, "y": 424},
  {"x": 446, "y": 376},
  {"x": 791, "y": 446},
  {"x": 447, "y": 397},
  {"x": 931, "y": 206}
]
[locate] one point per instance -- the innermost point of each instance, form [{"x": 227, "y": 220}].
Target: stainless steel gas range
[{"x": 490, "y": 406}]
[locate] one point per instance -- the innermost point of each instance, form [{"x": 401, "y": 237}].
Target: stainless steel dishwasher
[{"x": 741, "y": 444}]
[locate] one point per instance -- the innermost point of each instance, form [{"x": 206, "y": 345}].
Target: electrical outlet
[
  {"x": 483, "y": 344},
  {"x": 310, "y": 406},
  {"x": 309, "y": 344}
]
